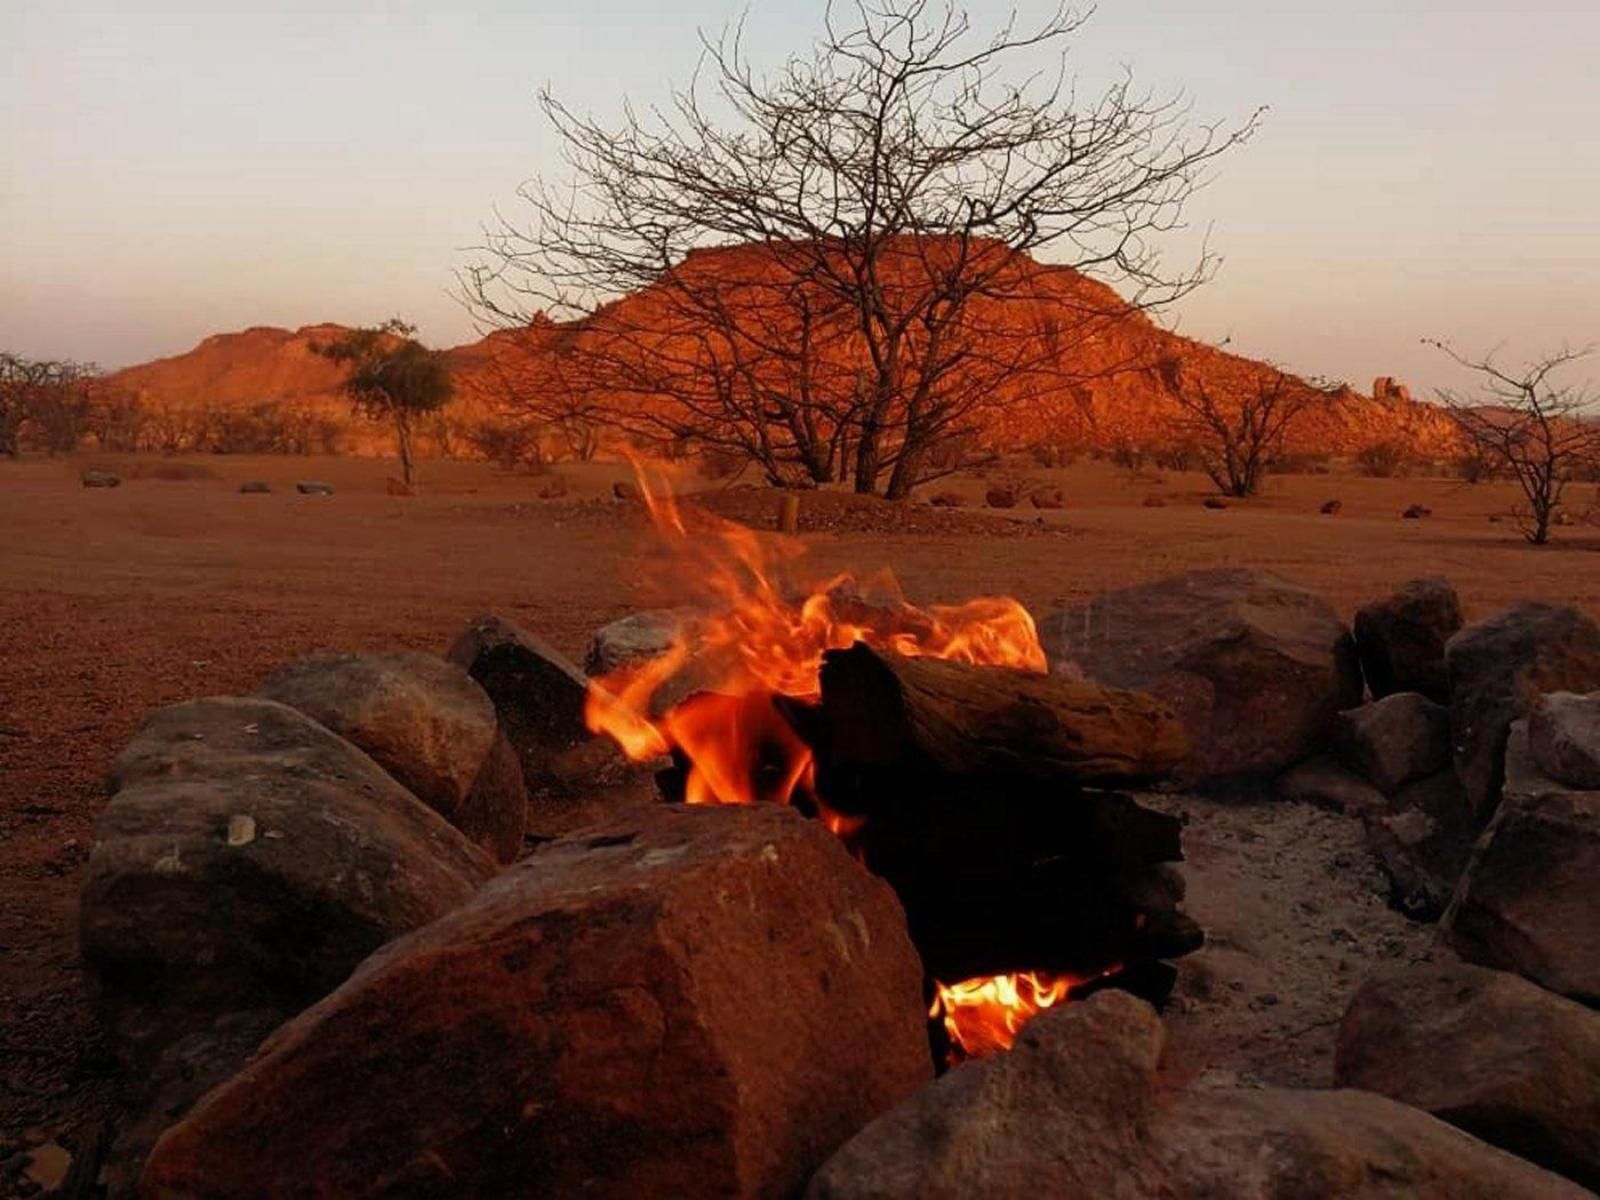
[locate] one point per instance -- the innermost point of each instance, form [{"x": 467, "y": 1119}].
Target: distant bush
[
  {"x": 511, "y": 446},
  {"x": 1179, "y": 456},
  {"x": 1301, "y": 462},
  {"x": 1127, "y": 454},
  {"x": 1383, "y": 460}
]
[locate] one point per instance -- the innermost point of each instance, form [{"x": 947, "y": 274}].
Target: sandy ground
[{"x": 115, "y": 601}]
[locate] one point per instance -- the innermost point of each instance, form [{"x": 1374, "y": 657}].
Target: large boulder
[
  {"x": 1564, "y": 738},
  {"x": 1401, "y": 639},
  {"x": 1423, "y": 841},
  {"x": 1488, "y": 1052},
  {"x": 425, "y": 722},
  {"x": 1498, "y": 669},
  {"x": 703, "y": 1002},
  {"x": 1255, "y": 667},
  {"x": 249, "y": 859},
  {"x": 1393, "y": 741},
  {"x": 1328, "y": 784},
  {"x": 1530, "y": 900},
  {"x": 1076, "y": 1108}
]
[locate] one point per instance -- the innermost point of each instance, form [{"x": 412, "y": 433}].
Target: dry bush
[
  {"x": 511, "y": 446},
  {"x": 1383, "y": 460}
]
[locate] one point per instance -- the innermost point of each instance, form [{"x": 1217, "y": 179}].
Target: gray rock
[
  {"x": 1498, "y": 669},
  {"x": 427, "y": 723},
  {"x": 636, "y": 638},
  {"x": 95, "y": 478},
  {"x": 1401, "y": 639},
  {"x": 313, "y": 487},
  {"x": 1390, "y": 742},
  {"x": 1529, "y": 900},
  {"x": 1076, "y": 1108},
  {"x": 1255, "y": 667},
  {"x": 1488, "y": 1052},
  {"x": 248, "y": 860},
  {"x": 1423, "y": 843},
  {"x": 1564, "y": 737}
]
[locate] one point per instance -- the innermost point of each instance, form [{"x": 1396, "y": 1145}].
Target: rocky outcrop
[
  {"x": 248, "y": 860},
  {"x": 703, "y": 1002},
  {"x": 1486, "y": 1051},
  {"x": 1423, "y": 840},
  {"x": 1255, "y": 667},
  {"x": 425, "y": 722},
  {"x": 1498, "y": 668},
  {"x": 1077, "y": 1109},
  {"x": 1530, "y": 899},
  {"x": 1401, "y": 639}
]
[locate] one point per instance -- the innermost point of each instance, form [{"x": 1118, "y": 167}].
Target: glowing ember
[
  {"x": 755, "y": 645},
  {"x": 983, "y": 1016}
]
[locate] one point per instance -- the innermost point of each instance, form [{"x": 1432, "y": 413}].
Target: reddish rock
[
  {"x": 1048, "y": 498},
  {"x": 1530, "y": 900},
  {"x": 555, "y": 488},
  {"x": 1332, "y": 508},
  {"x": 705, "y": 1002},
  {"x": 249, "y": 859},
  {"x": 1416, "y": 512},
  {"x": 1488, "y": 1052},
  {"x": 947, "y": 500},
  {"x": 1498, "y": 668},
  {"x": 1001, "y": 497},
  {"x": 428, "y": 724},
  {"x": 1393, "y": 741},
  {"x": 625, "y": 490},
  {"x": 1401, "y": 639},
  {"x": 1255, "y": 667},
  {"x": 1214, "y": 502},
  {"x": 1077, "y": 1108}
]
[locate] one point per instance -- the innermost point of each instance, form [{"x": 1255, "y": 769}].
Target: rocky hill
[{"x": 1121, "y": 366}]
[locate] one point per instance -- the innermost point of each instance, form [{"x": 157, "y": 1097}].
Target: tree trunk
[{"x": 402, "y": 429}]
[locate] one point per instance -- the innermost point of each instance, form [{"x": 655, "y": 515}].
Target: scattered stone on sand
[
  {"x": 556, "y": 487},
  {"x": 1001, "y": 497},
  {"x": 706, "y": 1001},
  {"x": 94, "y": 478},
  {"x": 427, "y": 723},
  {"x": 313, "y": 487},
  {"x": 1488, "y": 1052},
  {"x": 255, "y": 487},
  {"x": 1416, "y": 512},
  {"x": 1214, "y": 502},
  {"x": 624, "y": 489},
  {"x": 1401, "y": 639},
  {"x": 1331, "y": 508},
  {"x": 1048, "y": 498},
  {"x": 947, "y": 500}
]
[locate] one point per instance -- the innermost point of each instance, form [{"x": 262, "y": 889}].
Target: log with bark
[{"x": 933, "y": 716}]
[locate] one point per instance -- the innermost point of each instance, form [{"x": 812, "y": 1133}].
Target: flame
[
  {"x": 755, "y": 645},
  {"x": 983, "y": 1016}
]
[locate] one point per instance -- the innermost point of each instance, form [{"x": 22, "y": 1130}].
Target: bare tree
[
  {"x": 48, "y": 401},
  {"x": 1238, "y": 434},
  {"x": 1526, "y": 424},
  {"x": 887, "y": 195}
]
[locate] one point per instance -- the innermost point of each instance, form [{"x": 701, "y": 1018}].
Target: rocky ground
[{"x": 114, "y": 602}]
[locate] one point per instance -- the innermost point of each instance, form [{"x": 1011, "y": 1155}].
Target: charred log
[{"x": 933, "y": 716}]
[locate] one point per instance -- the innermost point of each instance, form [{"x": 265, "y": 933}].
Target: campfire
[{"x": 936, "y": 744}]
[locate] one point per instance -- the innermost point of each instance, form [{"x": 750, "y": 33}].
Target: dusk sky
[{"x": 1428, "y": 169}]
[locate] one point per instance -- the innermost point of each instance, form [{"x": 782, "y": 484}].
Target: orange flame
[
  {"x": 983, "y": 1016},
  {"x": 755, "y": 644}
]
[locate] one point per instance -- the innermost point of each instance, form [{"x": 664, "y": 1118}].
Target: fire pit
[{"x": 938, "y": 745}]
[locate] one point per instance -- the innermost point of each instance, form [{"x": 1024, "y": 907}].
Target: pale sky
[{"x": 176, "y": 169}]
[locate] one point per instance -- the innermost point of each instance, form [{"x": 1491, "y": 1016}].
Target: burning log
[{"x": 934, "y": 716}]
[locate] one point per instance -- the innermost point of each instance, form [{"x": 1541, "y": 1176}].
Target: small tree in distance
[
  {"x": 1526, "y": 425},
  {"x": 1238, "y": 436},
  {"x": 393, "y": 378}
]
